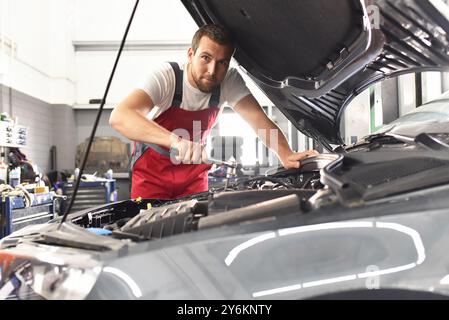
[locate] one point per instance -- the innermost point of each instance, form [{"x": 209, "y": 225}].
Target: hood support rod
[{"x": 97, "y": 120}]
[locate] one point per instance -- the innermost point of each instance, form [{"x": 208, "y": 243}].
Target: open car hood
[{"x": 312, "y": 57}]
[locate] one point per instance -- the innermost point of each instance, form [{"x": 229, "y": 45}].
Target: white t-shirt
[{"x": 160, "y": 86}]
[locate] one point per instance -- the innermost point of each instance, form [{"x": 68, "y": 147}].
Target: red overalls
[{"x": 154, "y": 175}]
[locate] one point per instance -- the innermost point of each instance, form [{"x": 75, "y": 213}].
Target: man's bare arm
[
  {"x": 129, "y": 118},
  {"x": 250, "y": 110}
]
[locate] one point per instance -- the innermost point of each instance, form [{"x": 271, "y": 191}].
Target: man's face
[{"x": 209, "y": 64}]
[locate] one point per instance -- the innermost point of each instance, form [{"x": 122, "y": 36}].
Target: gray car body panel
[{"x": 280, "y": 260}]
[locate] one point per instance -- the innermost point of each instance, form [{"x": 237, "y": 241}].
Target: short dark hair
[{"x": 214, "y": 32}]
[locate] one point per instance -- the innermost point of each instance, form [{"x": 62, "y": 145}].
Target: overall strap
[
  {"x": 177, "y": 98},
  {"x": 140, "y": 148}
]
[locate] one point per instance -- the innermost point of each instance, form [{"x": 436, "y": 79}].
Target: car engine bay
[
  {"x": 354, "y": 179},
  {"x": 329, "y": 179},
  {"x": 281, "y": 191}
]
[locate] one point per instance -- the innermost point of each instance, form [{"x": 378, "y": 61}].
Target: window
[{"x": 231, "y": 124}]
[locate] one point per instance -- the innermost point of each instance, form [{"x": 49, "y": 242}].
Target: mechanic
[{"x": 170, "y": 115}]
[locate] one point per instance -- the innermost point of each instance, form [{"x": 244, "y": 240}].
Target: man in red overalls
[{"x": 175, "y": 109}]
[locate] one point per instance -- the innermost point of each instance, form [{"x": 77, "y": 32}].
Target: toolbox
[{"x": 14, "y": 215}]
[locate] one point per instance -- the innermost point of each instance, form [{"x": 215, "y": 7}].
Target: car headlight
[{"x": 47, "y": 276}]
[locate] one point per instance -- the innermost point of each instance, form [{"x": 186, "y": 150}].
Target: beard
[{"x": 203, "y": 85}]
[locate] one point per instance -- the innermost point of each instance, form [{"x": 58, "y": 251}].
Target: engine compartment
[
  {"x": 347, "y": 179},
  {"x": 323, "y": 184},
  {"x": 278, "y": 192}
]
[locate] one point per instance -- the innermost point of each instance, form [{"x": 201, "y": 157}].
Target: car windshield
[{"x": 434, "y": 112}]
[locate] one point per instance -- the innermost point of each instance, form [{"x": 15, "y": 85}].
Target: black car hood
[{"x": 312, "y": 57}]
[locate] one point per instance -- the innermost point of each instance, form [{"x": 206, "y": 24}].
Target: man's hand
[
  {"x": 187, "y": 152},
  {"x": 293, "y": 160}
]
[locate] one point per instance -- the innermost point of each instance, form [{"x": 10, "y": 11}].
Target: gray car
[{"x": 367, "y": 220}]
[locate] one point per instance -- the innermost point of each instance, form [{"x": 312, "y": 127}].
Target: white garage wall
[
  {"x": 154, "y": 25},
  {"x": 37, "y": 61},
  {"x": 154, "y": 19},
  {"x": 42, "y": 33},
  {"x": 94, "y": 68},
  {"x": 36, "y": 51}
]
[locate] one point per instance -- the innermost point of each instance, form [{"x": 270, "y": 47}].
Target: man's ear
[{"x": 190, "y": 55}]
